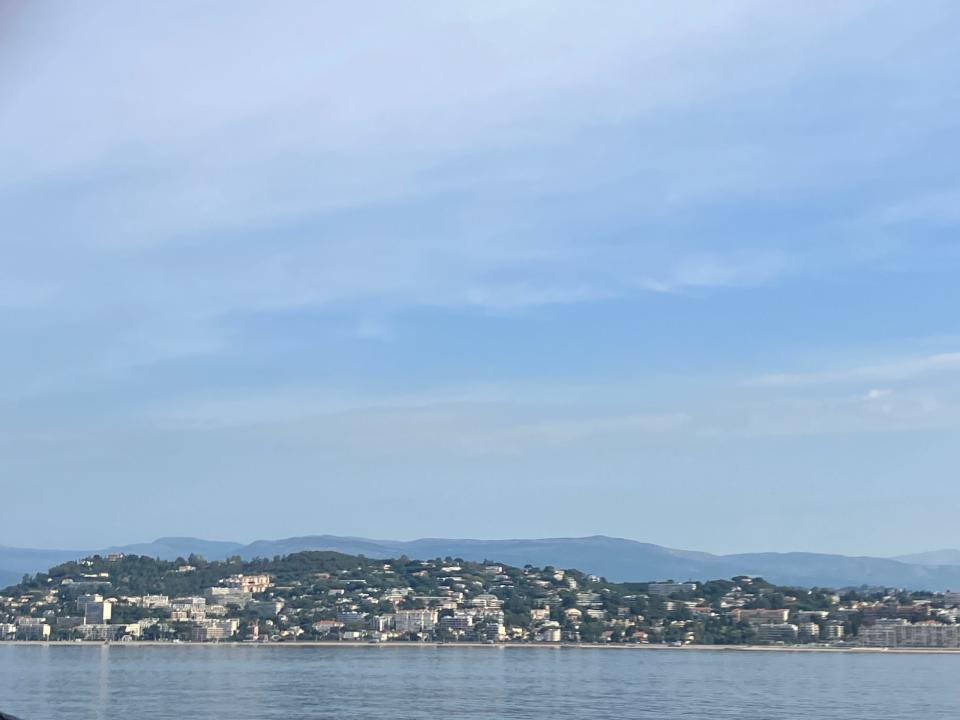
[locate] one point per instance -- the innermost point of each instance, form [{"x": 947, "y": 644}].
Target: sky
[{"x": 679, "y": 272}]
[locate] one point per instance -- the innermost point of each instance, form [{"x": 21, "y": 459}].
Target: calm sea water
[{"x": 130, "y": 683}]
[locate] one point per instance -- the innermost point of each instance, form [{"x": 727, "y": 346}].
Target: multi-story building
[
  {"x": 349, "y": 617},
  {"x": 228, "y": 596},
  {"x": 415, "y": 620},
  {"x": 486, "y": 600},
  {"x": 458, "y": 623},
  {"x": 549, "y": 634},
  {"x": 29, "y": 628},
  {"x": 103, "y": 632},
  {"x": 97, "y": 613},
  {"x": 189, "y": 603},
  {"x": 951, "y": 598},
  {"x": 154, "y": 601},
  {"x": 833, "y": 630},
  {"x": 589, "y": 600},
  {"x": 776, "y": 632},
  {"x": 441, "y": 602},
  {"x": 759, "y": 615},
  {"x": 540, "y": 614},
  {"x": 82, "y": 600},
  {"x": 248, "y": 583},
  {"x": 325, "y": 627},
  {"x": 494, "y": 631},
  {"x": 188, "y": 608},
  {"x": 665, "y": 589},
  {"x": 216, "y": 629},
  {"x": 266, "y": 608},
  {"x": 912, "y": 613},
  {"x": 901, "y": 633}
]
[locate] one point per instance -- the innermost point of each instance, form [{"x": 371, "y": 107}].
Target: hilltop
[{"x": 618, "y": 559}]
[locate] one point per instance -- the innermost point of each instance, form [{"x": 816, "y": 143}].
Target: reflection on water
[{"x": 147, "y": 683}]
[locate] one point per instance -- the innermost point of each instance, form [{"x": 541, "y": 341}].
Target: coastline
[{"x": 497, "y": 646}]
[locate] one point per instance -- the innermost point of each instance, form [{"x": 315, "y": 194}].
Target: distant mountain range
[
  {"x": 934, "y": 557},
  {"x": 614, "y": 558}
]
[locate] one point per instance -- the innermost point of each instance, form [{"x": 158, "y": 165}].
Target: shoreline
[{"x": 497, "y": 646}]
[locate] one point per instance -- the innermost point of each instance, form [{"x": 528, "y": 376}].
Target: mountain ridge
[
  {"x": 946, "y": 556},
  {"x": 618, "y": 559}
]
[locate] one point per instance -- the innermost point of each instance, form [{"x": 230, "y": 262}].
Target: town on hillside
[{"x": 326, "y": 596}]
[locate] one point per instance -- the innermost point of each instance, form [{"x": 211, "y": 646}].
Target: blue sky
[{"x": 685, "y": 273}]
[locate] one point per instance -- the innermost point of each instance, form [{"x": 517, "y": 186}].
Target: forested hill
[{"x": 312, "y": 594}]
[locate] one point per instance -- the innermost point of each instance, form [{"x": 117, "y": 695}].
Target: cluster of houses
[{"x": 479, "y": 602}]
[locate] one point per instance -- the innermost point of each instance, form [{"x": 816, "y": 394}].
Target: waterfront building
[
  {"x": 216, "y": 630},
  {"x": 459, "y": 622},
  {"x": 102, "y": 632},
  {"x": 809, "y": 630},
  {"x": 898, "y": 632},
  {"x": 97, "y": 613},
  {"x": 549, "y": 634},
  {"x": 29, "y": 628},
  {"x": 833, "y": 630},
  {"x": 415, "y": 620},
  {"x": 776, "y": 632},
  {"x": 495, "y": 631}
]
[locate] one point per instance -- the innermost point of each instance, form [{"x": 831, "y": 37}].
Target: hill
[{"x": 618, "y": 559}]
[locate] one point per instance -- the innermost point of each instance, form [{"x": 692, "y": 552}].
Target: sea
[{"x": 115, "y": 682}]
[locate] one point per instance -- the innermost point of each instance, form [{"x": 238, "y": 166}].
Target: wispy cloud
[
  {"x": 937, "y": 208},
  {"x": 267, "y": 241},
  {"x": 706, "y": 271},
  {"x": 900, "y": 369}
]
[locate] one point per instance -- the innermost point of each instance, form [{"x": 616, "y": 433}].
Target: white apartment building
[
  {"x": 549, "y": 634},
  {"x": 777, "y": 632},
  {"x": 415, "y": 620},
  {"x": 216, "y": 629},
  {"x": 459, "y": 622},
  {"x": 32, "y": 629},
  {"x": 901, "y": 633}
]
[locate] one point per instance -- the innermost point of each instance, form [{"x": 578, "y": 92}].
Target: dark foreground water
[{"x": 130, "y": 683}]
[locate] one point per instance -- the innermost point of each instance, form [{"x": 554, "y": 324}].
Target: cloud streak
[{"x": 902, "y": 369}]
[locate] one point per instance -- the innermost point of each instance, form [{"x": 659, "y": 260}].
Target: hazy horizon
[
  {"x": 686, "y": 275},
  {"x": 243, "y": 541}
]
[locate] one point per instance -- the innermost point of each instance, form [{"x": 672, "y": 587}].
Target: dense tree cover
[{"x": 318, "y": 586}]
